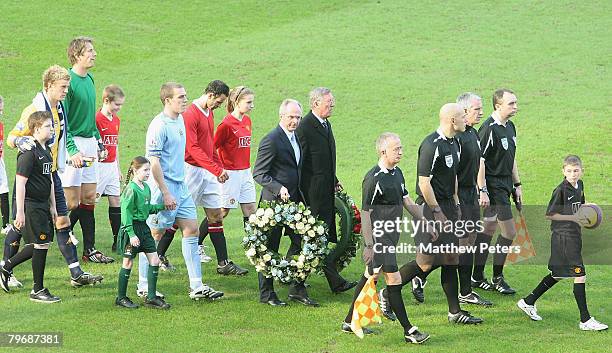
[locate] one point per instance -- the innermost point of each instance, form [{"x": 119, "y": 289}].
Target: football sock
[
  {"x": 74, "y": 217},
  {"x": 423, "y": 275},
  {"x": 39, "y": 258},
  {"x": 166, "y": 240},
  {"x": 545, "y": 284},
  {"x": 580, "y": 295},
  {"x": 203, "y": 231},
  {"x": 88, "y": 226},
  {"x": 4, "y": 205},
  {"x": 480, "y": 258},
  {"x": 152, "y": 278},
  {"x": 11, "y": 243},
  {"x": 217, "y": 237},
  {"x": 69, "y": 252},
  {"x": 448, "y": 279},
  {"x": 397, "y": 305},
  {"x": 409, "y": 271},
  {"x": 143, "y": 266},
  {"x": 24, "y": 255},
  {"x": 499, "y": 258},
  {"x": 358, "y": 288},
  {"x": 124, "y": 277},
  {"x": 114, "y": 216},
  {"x": 466, "y": 262},
  {"x": 192, "y": 261}
]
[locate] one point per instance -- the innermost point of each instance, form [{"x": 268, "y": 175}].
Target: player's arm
[
  {"x": 368, "y": 238},
  {"x": 158, "y": 176},
  {"x": 25, "y": 163},
  {"x": 156, "y": 139},
  {"x": 456, "y": 194},
  {"x": 127, "y": 205},
  {"x": 52, "y": 206},
  {"x": 483, "y": 193},
  {"x": 517, "y": 182},
  {"x": 20, "y": 137},
  {"x": 556, "y": 206},
  {"x": 426, "y": 162},
  {"x": 196, "y": 152}
]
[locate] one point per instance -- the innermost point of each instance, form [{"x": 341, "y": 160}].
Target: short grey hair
[
  {"x": 383, "y": 140},
  {"x": 317, "y": 94},
  {"x": 465, "y": 99},
  {"x": 283, "y": 107}
]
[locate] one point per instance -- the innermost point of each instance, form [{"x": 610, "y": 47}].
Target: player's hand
[
  {"x": 134, "y": 241},
  {"x": 284, "y": 194},
  {"x": 440, "y": 217},
  {"x": 53, "y": 212},
  {"x": 77, "y": 160},
  {"x": 581, "y": 220},
  {"x": 19, "y": 220},
  {"x": 519, "y": 194},
  {"x": 368, "y": 255},
  {"x": 483, "y": 200},
  {"x": 222, "y": 178},
  {"x": 25, "y": 143},
  {"x": 339, "y": 186},
  {"x": 169, "y": 201}
]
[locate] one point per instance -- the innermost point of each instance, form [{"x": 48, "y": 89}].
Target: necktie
[
  {"x": 325, "y": 125},
  {"x": 296, "y": 148}
]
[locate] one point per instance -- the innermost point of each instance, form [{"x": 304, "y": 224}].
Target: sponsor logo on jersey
[
  {"x": 244, "y": 141},
  {"x": 575, "y": 207},
  {"x": 180, "y": 132},
  {"x": 504, "y": 142},
  {"x": 46, "y": 168},
  {"x": 110, "y": 140},
  {"x": 449, "y": 160}
]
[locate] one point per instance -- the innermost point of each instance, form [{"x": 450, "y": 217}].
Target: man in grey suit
[{"x": 278, "y": 171}]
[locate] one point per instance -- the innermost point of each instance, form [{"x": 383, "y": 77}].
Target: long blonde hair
[{"x": 236, "y": 95}]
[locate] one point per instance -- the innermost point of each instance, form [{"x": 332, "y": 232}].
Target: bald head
[
  {"x": 452, "y": 118},
  {"x": 449, "y": 111}
]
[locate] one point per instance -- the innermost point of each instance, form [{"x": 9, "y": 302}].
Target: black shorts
[
  {"x": 37, "y": 228},
  {"x": 422, "y": 240},
  {"x": 499, "y": 196},
  {"x": 60, "y": 199},
  {"x": 566, "y": 256},
  {"x": 384, "y": 253},
  {"x": 143, "y": 232},
  {"x": 468, "y": 198}
]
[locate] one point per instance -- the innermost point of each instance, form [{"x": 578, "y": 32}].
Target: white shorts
[
  {"x": 239, "y": 188},
  {"x": 3, "y": 178},
  {"x": 108, "y": 180},
  {"x": 88, "y": 146},
  {"x": 204, "y": 187}
]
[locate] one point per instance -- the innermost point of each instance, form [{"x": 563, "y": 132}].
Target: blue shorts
[
  {"x": 60, "y": 199},
  {"x": 185, "y": 208}
]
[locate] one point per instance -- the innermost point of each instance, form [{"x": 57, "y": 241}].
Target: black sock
[
  {"x": 114, "y": 216},
  {"x": 69, "y": 252},
  {"x": 39, "y": 258},
  {"x": 4, "y": 206},
  {"x": 480, "y": 258},
  {"x": 203, "y": 231},
  {"x": 448, "y": 278},
  {"x": 397, "y": 305},
  {"x": 88, "y": 226},
  {"x": 580, "y": 295},
  {"x": 409, "y": 271},
  {"x": 217, "y": 237},
  {"x": 466, "y": 262},
  {"x": 499, "y": 258},
  {"x": 545, "y": 284},
  {"x": 74, "y": 217},
  {"x": 24, "y": 255},
  {"x": 358, "y": 288},
  {"x": 166, "y": 240},
  {"x": 11, "y": 243},
  {"x": 423, "y": 275},
  {"x": 245, "y": 220}
]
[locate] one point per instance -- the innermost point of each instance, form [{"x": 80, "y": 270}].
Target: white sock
[
  {"x": 143, "y": 269},
  {"x": 192, "y": 261}
]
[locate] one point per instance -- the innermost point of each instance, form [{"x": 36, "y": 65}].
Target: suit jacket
[
  {"x": 319, "y": 168},
  {"x": 276, "y": 167}
]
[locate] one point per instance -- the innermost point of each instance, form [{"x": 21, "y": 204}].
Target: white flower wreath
[{"x": 298, "y": 217}]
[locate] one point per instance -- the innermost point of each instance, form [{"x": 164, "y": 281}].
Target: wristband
[
  {"x": 484, "y": 189},
  {"x": 516, "y": 185}
]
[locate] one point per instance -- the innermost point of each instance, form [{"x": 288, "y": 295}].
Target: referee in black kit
[{"x": 498, "y": 143}]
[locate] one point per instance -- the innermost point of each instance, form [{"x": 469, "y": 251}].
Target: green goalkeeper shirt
[
  {"x": 135, "y": 206},
  {"x": 80, "y": 104}
]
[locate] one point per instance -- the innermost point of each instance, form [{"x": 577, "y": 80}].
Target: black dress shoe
[
  {"x": 344, "y": 287},
  {"x": 275, "y": 302},
  {"x": 304, "y": 299}
]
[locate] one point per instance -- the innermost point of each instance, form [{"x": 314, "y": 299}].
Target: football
[{"x": 592, "y": 214}]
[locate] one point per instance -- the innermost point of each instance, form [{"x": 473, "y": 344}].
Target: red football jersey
[
  {"x": 233, "y": 142},
  {"x": 199, "y": 148},
  {"x": 109, "y": 132}
]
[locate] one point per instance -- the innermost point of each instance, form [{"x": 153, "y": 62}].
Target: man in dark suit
[
  {"x": 278, "y": 171},
  {"x": 319, "y": 181}
]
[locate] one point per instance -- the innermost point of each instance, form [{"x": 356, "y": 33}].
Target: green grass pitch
[{"x": 391, "y": 64}]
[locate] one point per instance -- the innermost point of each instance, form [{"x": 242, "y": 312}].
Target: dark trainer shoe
[
  {"x": 346, "y": 328},
  {"x": 165, "y": 265},
  {"x": 501, "y": 285},
  {"x": 97, "y": 257},
  {"x": 482, "y": 284},
  {"x": 474, "y": 298},
  {"x": 418, "y": 289},
  {"x": 464, "y": 317},
  {"x": 4, "y": 279},
  {"x": 231, "y": 269},
  {"x": 85, "y": 279},
  {"x": 156, "y": 303},
  {"x": 43, "y": 296},
  {"x": 126, "y": 303},
  {"x": 414, "y": 336},
  {"x": 383, "y": 300}
]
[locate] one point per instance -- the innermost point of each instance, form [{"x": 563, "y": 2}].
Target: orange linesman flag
[
  {"x": 366, "y": 309},
  {"x": 522, "y": 240}
]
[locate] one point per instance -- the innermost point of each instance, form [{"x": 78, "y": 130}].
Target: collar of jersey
[
  {"x": 496, "y": 119},
  {"x": 385, "y": 170}
]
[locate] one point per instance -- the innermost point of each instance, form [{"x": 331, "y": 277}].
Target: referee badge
[
  {"x": 449, "y": 160},
  {"x": 504, "y": 142}
]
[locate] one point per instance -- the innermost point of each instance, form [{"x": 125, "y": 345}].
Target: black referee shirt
[
  {"x": 498, "y": 145},
  {"x": 439, "y": 159},
  {"x": 383, "y": 192},
  {"x": 566, "y": 200},
  {"x": 36, "y": 166},
  {"x": 469, "y": 163}
]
